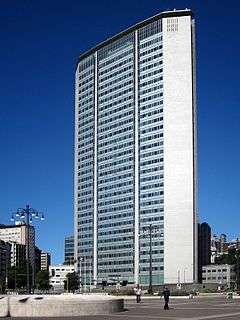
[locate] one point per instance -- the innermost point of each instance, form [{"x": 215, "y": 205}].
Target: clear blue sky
[{"x": 40, "y": 43}]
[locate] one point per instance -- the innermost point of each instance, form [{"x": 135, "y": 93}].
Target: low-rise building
[
  {"x": 58, "y": 276},
  {"x": 223, "y": 274}
]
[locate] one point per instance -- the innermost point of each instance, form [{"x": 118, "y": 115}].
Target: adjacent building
[
  {"x": 135, "y": 153},
  {"x": 17, "y": 234},
  {"x": 38, "y": 253},
  {"x": 69, "y": 250},
  {"x": 204, "y": 247}
]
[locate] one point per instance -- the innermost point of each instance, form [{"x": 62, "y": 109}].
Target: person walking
[
  {"x": 166, "y": 294},
  {"x": 138, "y": 292}
]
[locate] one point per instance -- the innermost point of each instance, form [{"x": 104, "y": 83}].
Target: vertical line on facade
[
  {"x": 95, "y": 206},
  {"x": 75, "y": 172},
  {"x": 136, "y": 166},
  {"x": 195, "y": 184}
]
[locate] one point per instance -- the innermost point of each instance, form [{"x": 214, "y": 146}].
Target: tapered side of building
[{"x": 135, "y": 154}]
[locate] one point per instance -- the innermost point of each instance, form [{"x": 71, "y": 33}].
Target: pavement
[{"x": 199, "y": 308}]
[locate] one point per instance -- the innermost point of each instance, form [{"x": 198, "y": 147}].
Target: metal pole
[
  {"x": 80, "y": 274},
  {"x": 150, "y": 289},
  {"x": 90, "y": 274},
  {"x": 27, "y": 248},
  {"x": 85, "y": 275}
]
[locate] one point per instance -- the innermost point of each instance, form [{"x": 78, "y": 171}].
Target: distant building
[
  {"x": 45, "y": 260},
  {"x": 37, "y": 259},
  {"x": 5, "y": 253},
  {"x": 69, "y": 250},
  {"x": 224, "y": 275},
  {"x": 223, "y": 240},
  {"x": 204, "y": 247},
  {"x": 220, "y": 246},
  {"x": 18, "y": 234},
  {"x": 18, "y": 254},
  {"x": 58, "y": 276}
]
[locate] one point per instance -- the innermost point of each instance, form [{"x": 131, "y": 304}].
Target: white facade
[
  {"x": 222, "y": 274},
  {"x": 135, "y": 153},
  {"x": 58, "y": 276},
  {"x": 179, "y": 181}
]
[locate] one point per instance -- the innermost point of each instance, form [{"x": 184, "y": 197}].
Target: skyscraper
[
  {"x": 69, "y": 250},
  {"x": 135, "y": 153}
]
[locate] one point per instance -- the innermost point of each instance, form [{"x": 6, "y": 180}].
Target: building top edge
[
  {"x": 164, "y": 14},
  {"x": 12, "y": 226}
]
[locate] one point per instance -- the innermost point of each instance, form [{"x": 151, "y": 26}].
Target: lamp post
[
  {"x": 184, "y": 275},
  {"x": 150, "y": 230},
  {"x": 80, "y": 260},
  {"x": 27, "y": 215}
]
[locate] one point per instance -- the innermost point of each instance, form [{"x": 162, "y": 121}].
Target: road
[{"x": 180, "y": 309}]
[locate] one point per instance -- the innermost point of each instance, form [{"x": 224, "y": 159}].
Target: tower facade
[{"x": 135, "y": 153}]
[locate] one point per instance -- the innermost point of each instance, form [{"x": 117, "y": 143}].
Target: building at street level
[{"x": 135, "y": 153}]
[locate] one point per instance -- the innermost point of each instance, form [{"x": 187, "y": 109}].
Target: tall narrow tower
[{"x": 135, "y": 153}]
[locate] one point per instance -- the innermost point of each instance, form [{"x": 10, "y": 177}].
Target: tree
[
  {"x": 72, "y": 282},
  {"x": 17, "y": 277},
  {"x": 42, "y": 280},
  {"x": 228, "y": 258},
  {"x": 2, "y": 283}
]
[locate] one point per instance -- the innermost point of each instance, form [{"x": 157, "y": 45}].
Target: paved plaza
[{"x": 180, "y": 309}]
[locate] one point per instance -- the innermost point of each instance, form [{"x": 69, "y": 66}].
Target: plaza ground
[{"x": 200, "y": 308}]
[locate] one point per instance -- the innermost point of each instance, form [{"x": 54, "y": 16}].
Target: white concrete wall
[{"x": 179, "y": 207}]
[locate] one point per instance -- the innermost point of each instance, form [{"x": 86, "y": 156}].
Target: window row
[
  {"x": 115, "y": 118},
  {"x": 115, "y": 103},
  {"x": 117, "y": 65},
  {"x": 116, "y": 80},
  {"x": 118, "y": 208},
  {"x": 116, "y": 58},
  {"x": 115, "y": 147},
  {"x": 114, "y": 201},
  {"x": 116, "y": 95},
  {"x": 113, "y": 89}
]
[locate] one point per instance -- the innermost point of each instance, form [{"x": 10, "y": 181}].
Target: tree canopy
[{"x": 71, "y": 284}]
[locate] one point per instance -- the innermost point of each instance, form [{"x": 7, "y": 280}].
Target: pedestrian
[
  {"x": 166, "y": 294},
  {"x": 138, "y": 292}
]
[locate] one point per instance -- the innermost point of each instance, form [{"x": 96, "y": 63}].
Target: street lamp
[
  {"x": 151, "y": 230},
  {"x": 26, "y": 215},
  {"x": 184, "y": 275}
]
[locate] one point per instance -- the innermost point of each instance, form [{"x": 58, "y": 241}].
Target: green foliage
[
  {"x": 124, "y": 291},
  {"x": 72, "y": 282},
  {"x": 17, "y": 277},
  {"x": 42, "y": 280},
  {"x": 228, "y": 258},
  {"x": 2, "y": 283},
  {"x": 213, "y": 290}
]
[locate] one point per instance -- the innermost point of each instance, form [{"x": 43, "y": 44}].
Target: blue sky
[{"x": 40, "y": 43}]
